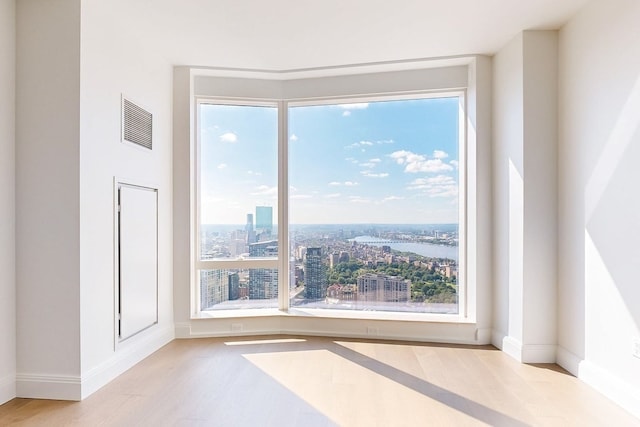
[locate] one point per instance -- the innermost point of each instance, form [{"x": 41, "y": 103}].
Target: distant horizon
[{"x": 364, "y": 224}]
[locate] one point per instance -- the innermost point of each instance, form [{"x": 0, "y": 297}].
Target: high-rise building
[
  {"x": 251, "y": 233},
  {"x": 214, "y": 288},
  {"x": 234, "y": 285},
  {"x": 249, "y": 226},
  {"x": 334, "y": 259},
  {"x": 263, "y": 282},
  {"x": 264, "y": 219},
  {"x": 383, "y": 288},
  {"x": 315, "y": 275}
]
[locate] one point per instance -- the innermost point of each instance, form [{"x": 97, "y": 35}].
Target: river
[{"x": 424, "y": 249}]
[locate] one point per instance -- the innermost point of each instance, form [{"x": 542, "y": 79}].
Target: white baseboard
[
  {"x": 7, "y": 388},
  {"x": 512, "y": 347},
  {"x": 496, "y": 339},
  {"x": 539, "y": 353},
  {"x": 443, "y": 332},
  {"x": 125, "y": 358},
  {"x": 34, "y": 386},
  {"x": 618, "y": 390},
  {"x": 183, "y": 330},
  {"x": 568, "y": 361},
  {"x": 525, "y": 353}
]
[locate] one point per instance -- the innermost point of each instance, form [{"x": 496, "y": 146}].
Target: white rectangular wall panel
[{"x": 137, "y": 259}]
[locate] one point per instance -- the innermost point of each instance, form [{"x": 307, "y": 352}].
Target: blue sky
[{"x": 378, "y": 162}]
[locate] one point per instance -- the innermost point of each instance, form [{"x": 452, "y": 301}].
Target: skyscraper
[
  {"x": 264, "y": 219},
  {"x": 234, "y": 285},
  {"x": 251, "y": 233},
  {"x": 263, "y": 282},
  {"x": 315, "y": 275},
  {"x": 214, "y": 288}
]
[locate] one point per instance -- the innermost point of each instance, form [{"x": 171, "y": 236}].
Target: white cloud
[
  {"x": 265, "y": 190},
  {"x": 301, "y": 196},
  {"x": 386, "y": 141},
  {"x": 371, "y": 163},
  {"x": 437, "y": 186},
  {"x": 454, "y": 163},
  {"x": 369, "y": 174},
  {"x": 222, "y": 165},
  {"x": 356, "y": 106},
  {"x": 346, "y": 183},
  {"x": 414, "y": 163},
  {"x": 332, "y": 195},
  {"x": 254, "y": 173},
  {"x": 293, "y": 137},
  {"x": 346, "y": 113},
  {"x": 360, "y": 144},
  {"x": 439, "y": 154},
  {"x": 229, "y": 137}
]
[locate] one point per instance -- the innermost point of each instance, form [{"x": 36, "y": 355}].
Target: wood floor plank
[{"x": 315, "y": 381}]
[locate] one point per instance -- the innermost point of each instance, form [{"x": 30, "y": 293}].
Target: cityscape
[
  {"x": 370, "y": 267},
  {"x": 372, "y": 197}
]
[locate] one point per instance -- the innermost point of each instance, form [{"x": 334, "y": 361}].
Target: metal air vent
[{"x": 137, "y": 125}]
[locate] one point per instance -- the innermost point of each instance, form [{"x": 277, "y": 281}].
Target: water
[{"x": 424, "y": 249}]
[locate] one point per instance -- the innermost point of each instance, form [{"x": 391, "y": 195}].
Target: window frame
[{"x": 281, "y": 263}]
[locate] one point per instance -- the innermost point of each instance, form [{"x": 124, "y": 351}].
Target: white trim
[
  {"x": 182, "y": 330},
  {"x": 497, "y": 338},
  {"x": 328, "y": 71},
  {"x": 568, "y": 361},
  {"x": 452, "y": 333},
  {"x": 525, "y": 353},
  {"x": 539, "y": 353},
  {"x": 56, "y": 387},
  {"x": 512, "y": 347},
  {"x": 7, "y": 388},
  {"x": 125, "y": 358},
  {"x": 615, "y": 388}
]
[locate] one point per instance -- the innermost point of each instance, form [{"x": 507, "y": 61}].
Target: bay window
[{"x": 331, "y": 204}]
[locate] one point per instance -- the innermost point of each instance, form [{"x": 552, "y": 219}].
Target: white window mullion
[{"x": 283, "y": 207}]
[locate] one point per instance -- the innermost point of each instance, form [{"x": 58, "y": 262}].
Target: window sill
[{"x": 335, "y": 314}]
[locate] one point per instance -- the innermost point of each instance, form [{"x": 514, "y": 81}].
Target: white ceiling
[{"x": 293, "y": 34}]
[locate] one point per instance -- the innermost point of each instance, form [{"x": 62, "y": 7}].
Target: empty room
[{"x": 352, "y": 213}]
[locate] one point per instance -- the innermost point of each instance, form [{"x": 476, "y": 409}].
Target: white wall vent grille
[{"x": 137, "y": 125}]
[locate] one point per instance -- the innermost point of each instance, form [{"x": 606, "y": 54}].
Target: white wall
[
  {"x": 525, "y": 197},
  {"x": 47, "y": 197},
  {"x": 7, "y": 201},
  {"x": 73, "y": 65},
  {"x": 116, "y": 61},
  {"x": 599, "y": 212}
]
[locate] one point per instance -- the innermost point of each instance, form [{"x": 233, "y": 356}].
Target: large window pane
[
  {"x": 227, "y": 289},
  {"x": 237, "y": 194},
  {"x": 374, "y": 205}
]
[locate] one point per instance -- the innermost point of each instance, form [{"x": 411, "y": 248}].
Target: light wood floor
[{"x": 289, "y": 381}]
